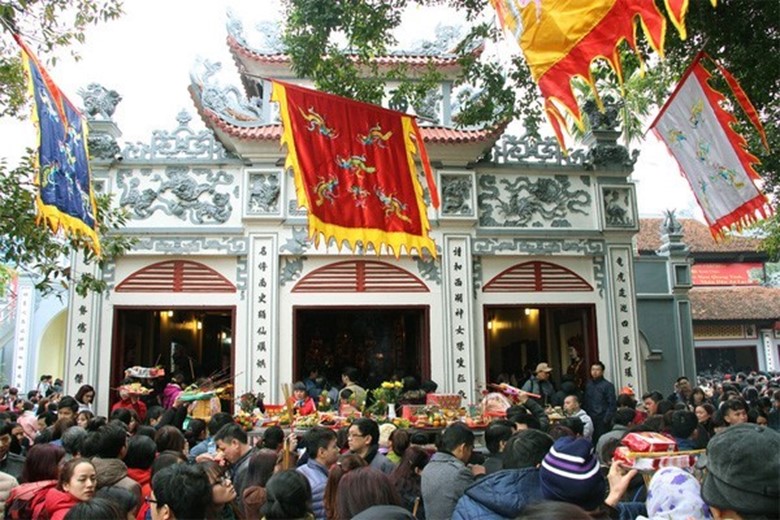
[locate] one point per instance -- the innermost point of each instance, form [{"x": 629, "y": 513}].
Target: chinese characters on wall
[
  {"x": 623, "y": 297},
  {"x": 24, "y": 303},
  {"x": 459, "y": 300},
  {"x": 260, "y": 318}
]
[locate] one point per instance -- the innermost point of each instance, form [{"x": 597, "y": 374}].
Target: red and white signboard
[{"x": 747, "y": 273}]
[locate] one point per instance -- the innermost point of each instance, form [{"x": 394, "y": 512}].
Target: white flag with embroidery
[{"x": 712, "y": 156}]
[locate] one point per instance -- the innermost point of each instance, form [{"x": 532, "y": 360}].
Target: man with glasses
[
  {"x": 180, "y": 492},
  {"x": 363, "y": 440}
]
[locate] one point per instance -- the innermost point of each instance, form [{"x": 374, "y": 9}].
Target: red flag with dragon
[{"x": 355, "y": 171}]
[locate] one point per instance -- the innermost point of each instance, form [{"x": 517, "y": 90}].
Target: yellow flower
[
  {"x": 387, "y": 385},
  {"x": 399, "y": 384}
]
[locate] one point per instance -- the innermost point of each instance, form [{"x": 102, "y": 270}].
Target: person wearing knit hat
[
  {"x": 571, "y": 473},
  {"x": 743, "y": 473}
]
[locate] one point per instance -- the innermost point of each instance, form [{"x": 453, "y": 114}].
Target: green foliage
[
  {"x": 46, "y": 26},
  {"x": 32, "y": 249},
  {"x": 744, "y": 35}
]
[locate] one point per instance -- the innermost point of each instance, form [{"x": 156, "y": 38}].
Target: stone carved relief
[
  {"x": 99, "y": 102},
  {"x": 530, "y": 202},
  {"x": 530, "y": 150},
  {"x": 599, "y": 274},
  {"x": 476, "y": 274},
  {"x": 457, "y": 195},
  {"x": 298, "y": 243},
  {"x": 184, "y": 245},
  {"x": 263, "y": 193},
  {"x": 670, "y": 224},
  {"x": 190, "y": 195},
  {"x": 492, "y": 246},
  {"x": 291, "y": 269},
  {"x": 102, "y": 146},
  {"x": 228, "y": 102},
  {"x": 429, "y": 269},
  {"x": 618, "y": 209},
  {"x": 182, "y": 144}
]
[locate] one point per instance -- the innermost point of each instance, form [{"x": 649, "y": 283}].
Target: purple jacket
[{"x": 169, "y": 395}]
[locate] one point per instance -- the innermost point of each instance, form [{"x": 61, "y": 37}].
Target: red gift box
[
  {"x": 648, "y": 442},
  {"x": 443, "y": 400}
]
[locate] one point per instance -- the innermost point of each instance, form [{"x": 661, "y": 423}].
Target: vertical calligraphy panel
[
  {"x": 80, "y": 362},
  {"x": 628, "y": 369},
  {"x": 24, "y": 312},
  {"x": 262, "y": 352},
  {"x": 459, "y": 333}
]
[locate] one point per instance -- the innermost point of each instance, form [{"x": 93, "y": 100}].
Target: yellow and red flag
[
  {"x": 561, "y": 38},
  {"x": 712, "y": 156},
  {"x": 355, "y": 171}
]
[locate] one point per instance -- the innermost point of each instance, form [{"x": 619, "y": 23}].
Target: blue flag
[{"x": 65, "y": 198}]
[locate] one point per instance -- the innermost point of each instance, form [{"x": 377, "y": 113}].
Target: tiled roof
[
  {"x": 410, "y": 59},
  {"x": 273, "y": 132},
  {"x": 735, "y": 303},
  {"x": 696, "y": 236}
]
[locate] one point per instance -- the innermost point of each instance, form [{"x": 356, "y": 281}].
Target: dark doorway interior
[
  {"x": 377, "y": 341},
  {"x": 726, "y": 360},
  {"x": 518, "y": 337},
  {"x": 195, "y": 342}
]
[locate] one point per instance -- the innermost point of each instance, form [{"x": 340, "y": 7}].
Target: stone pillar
[
  {"x": 262, "y": 370},
  {"x": 679, "y": 275},
  {"x": 458, "y": 331}
]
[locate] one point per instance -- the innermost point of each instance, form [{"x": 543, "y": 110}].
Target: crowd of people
[{"x": 150, "y": 460}]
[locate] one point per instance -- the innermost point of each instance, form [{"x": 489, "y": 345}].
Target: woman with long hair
[
  {"x": 170, "y": 438},
  {"x": 42, "y": 463},
  {"x": 363, "y": 488},
  {"x": 223, "y": 494},
  {"x": 77, "y": 483},
  {"x": 704, "y": 413},
  {"x": 260, "y": 469},
  {"x": 84, "y": 397},
  {"x": 289, "y": 497},
  {"x": 83, "y": 418},
  {"x": 344, "y": 465},
  {"x": 406, "y": 479}
]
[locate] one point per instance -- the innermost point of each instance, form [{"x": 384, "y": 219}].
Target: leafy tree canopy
[
  {"x": 47, "y": 26},
  {"x": 743, "y": 35}
]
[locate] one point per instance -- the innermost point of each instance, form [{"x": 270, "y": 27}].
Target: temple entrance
[
  {"x": 518, "y": 337},
  {"x": 194, "y": 341},
  {"x": 379, "y": 342}
]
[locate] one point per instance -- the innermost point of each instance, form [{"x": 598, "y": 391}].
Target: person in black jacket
[{"x": 600, "y": 400}]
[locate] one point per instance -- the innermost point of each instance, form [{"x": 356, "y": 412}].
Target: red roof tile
[
  {"x": 413, "y": 60},
  {"x": 735, "y": 303},
  {"x": 696, "y": 236},
  {"x": 272, "y": 132}
]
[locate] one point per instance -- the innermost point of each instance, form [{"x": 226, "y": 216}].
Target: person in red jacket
[
  {"x": 131, "y": 402},
  {"x": 77, "y": 483},
  {"x": 302, "y": 403}
]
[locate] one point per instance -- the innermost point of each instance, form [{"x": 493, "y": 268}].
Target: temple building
[
  {"x": 535, "y": 255},
  {"x": 734, "y": 308}
]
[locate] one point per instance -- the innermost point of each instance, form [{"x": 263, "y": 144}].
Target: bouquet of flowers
[
  {"x": 323, "y": 402},
  {"x": 247, "y": 402},
  {"x": 246, "y": 420},
  {"x": 386, "y": 394}
]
